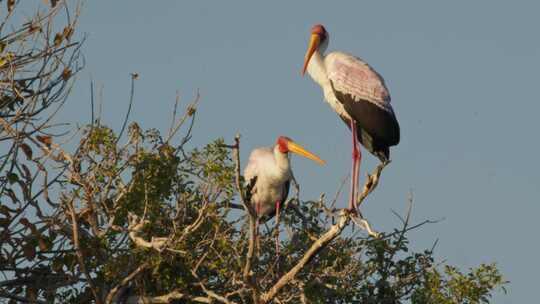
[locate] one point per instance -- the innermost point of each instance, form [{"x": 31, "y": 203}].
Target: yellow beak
[
  {"x": 313, "y": 45},
  {"x": 296, "y": 148}
]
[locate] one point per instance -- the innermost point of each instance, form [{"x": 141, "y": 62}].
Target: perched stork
[
  {"x": 357, "y": 93},
  {"x": 269, "y": 174},
  {"x": 270, "y": 168}
]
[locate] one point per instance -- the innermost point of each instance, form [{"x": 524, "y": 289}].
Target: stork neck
[
  {"x": 316, "y": 68},
  {"x": 282, "y": 159}
]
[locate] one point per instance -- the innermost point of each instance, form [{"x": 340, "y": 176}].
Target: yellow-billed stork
[
  {"x": 358, "y": 94},
  {"x": 270, "y": 170},
  {"x": 269, "y": 175}
]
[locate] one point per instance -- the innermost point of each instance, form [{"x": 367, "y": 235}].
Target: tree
[{"x": 141, "y": 217}]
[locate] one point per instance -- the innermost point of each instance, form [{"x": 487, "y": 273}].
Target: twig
[
  {"x": 238, "y": 181},
  {"x": 134, "y": 76},
  {"x": 338, "y": 192},
  {"x": 175, "y": 109},
  {"x": 413, "y": 227},
  {"x": 190, "y": 112}
]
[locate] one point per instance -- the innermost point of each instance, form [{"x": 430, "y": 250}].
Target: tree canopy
[{"x": 142, "y": 216}]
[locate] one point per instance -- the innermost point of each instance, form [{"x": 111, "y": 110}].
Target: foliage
[
  {"x": 452, "y": 286},
  {"x": 146, "y": 218}
]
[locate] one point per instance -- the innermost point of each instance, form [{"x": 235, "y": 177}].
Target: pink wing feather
[{"x": 351, "y": 75}]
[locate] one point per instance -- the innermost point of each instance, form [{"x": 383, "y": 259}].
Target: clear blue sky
[{"x": 463, "y": 76}]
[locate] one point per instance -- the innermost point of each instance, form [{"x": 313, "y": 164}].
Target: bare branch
[
  {"x": 190, "y": 112},
  {"x": 134, "y": 77}
]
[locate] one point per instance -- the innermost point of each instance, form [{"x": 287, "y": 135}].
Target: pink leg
[
  {"x": 355, "y": 170},
  {"x": 278, "y": 203},
  {"x": 356, "y": 174},
  {"x": 257, "y": 211}
]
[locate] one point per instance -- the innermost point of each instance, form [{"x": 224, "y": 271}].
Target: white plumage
[
  {"x": 356, "y": 92},
  {"x": 358, "y": 95},
  {"x": 351, "y": 75},
  {"x": 272, "y": 170}
]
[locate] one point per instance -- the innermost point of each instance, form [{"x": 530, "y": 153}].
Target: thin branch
[
  {"x": 190, "y": 112},
  {"x": 175, "y": 109},
  {"x": 134, "y": 77}
]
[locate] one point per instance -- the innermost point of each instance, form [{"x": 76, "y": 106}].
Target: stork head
[
  {"x": 286, "y": 145},
  {"x": 319, "y": 41}
]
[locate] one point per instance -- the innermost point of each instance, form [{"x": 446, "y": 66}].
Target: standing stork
[
  {"x": 269, "y": 174},
  {"x": 357, "y": 93}
]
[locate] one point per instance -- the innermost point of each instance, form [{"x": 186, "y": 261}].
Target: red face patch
[
  {"x": 319, "y": 29},
  {"x": 282, "y": 143}
]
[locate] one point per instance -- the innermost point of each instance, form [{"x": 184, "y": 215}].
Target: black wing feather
[{"x": 377, "y": 129}]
